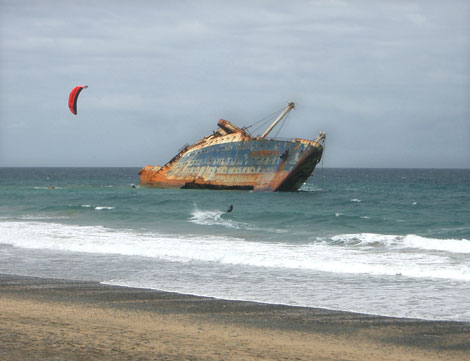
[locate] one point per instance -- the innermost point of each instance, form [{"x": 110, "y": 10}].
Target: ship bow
[{"x": 302, "y": 170}]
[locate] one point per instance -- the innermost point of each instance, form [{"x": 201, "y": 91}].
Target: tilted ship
[{"x": 233, "y": 159}]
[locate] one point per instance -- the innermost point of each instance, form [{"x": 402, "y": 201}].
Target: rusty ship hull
[{"x": 233, "y": 159}]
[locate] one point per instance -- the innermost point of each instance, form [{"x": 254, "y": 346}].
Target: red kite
[{"x": 73, "y": 97}]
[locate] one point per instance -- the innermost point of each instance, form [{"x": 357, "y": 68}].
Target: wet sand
[{"x": 50, "y": 319}]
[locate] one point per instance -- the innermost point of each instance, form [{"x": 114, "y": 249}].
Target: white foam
[
  {"x": 350, "y": 257},
  {"x": 100, "y": 208},
  {"x": 40, "y": 217},
  {"x": 219, "y": 218},
  {"x": 210, "y": 218},
  {"x": 408, "y": 241}
]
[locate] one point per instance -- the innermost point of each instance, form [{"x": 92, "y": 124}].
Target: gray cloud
[{"x": 388, "y": 81}]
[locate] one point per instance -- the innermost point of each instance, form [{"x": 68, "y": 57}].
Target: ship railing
[
  {"x": 286, "y": 139},
  {"x": 183, "y": 147},
  {"x": 178, "y": 155}
]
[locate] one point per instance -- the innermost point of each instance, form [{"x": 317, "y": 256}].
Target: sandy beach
[{"x": 50, "y": 319}]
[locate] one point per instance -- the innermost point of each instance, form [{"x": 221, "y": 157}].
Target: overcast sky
[{"x": 388, "y": 81}]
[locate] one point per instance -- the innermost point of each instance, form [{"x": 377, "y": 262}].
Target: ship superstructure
[{"x": 231, "y": 158}]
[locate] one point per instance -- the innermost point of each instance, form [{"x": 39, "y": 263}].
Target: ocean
[{"x": 393, "y": 242}]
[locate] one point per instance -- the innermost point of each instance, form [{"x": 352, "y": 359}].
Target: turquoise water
[{"x": 380, "y": 241}]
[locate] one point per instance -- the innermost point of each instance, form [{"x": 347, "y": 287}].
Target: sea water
[{"x": 392, "y": 242}]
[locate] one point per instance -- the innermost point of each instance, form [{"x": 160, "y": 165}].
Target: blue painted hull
[{"x": 256, "y": 164}]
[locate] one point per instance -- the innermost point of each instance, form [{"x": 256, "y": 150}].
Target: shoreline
[
  {"x": 43, "y": 318},
  {"x": 418, "y": 319}
]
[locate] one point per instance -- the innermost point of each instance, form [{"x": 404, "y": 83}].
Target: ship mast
[{"x": 290, "y": 106}]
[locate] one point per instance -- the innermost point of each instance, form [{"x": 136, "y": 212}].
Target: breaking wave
[
  {"x": 401, "y": 242},
  {"x": 348, "y": 254},
  {"x": 219, "y": 218},
  {"x": 211, "y": 218}
]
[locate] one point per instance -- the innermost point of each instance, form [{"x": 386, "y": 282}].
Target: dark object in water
[
  {"x": 233, "y": 159},
  {"x": 230, "y": 208}
]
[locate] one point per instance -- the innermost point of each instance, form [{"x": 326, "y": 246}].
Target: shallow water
[{"x": 380, "y": 241}]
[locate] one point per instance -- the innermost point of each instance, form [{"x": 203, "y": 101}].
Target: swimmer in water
[{"x": 230, "y": 208}]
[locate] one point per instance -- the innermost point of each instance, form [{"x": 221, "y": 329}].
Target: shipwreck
[{"x": 233, "y": 159}]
